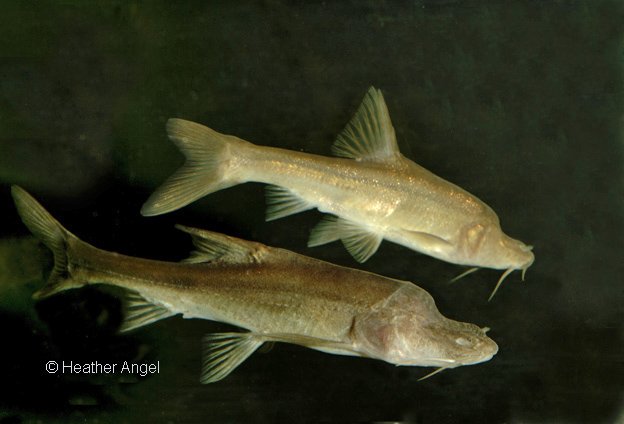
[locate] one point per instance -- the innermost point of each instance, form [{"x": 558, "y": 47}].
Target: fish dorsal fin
[
  {"x": 360, "y": 241},
  {"x": 369, "y": 136},
  {"x": 214, "y": 246},
  {"x": 140, "y": 312}
]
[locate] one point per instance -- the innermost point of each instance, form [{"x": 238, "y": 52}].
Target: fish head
[
  {"x": 409, "y": 330},
  {"x": 451, "y": 344},
  {"x": 486, "y": 245}
]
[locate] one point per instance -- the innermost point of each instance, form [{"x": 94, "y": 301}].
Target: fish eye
[{"x": 463, "y": 341}]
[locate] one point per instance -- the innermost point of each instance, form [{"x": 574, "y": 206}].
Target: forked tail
[
  {"x": 52, "y": 234},
  {"x": 208, "y": 167}
]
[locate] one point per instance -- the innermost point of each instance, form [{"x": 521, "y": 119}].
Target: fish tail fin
[
  {"x": 207, "y": 168},
  {"x": 51, "y": 233}
]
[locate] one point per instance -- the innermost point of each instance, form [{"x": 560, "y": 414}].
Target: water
[{"x": 520, "y": 104}]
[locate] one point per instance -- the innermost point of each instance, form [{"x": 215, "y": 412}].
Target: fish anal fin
[
  {"x": 369, "y": 135},
  {"x": 324, "y": 232},
  {"x": 224, "y": 352},
  {"x": 282, "y": 202},
  {"x": 360, "y": 241},
  {"x": 140, "y": 312},
  {"x": 213, "y": 246}
]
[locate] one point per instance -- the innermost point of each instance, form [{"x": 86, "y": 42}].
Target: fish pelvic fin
[
  {"x": 53, "y": 235},
  {"x": 223, "y": 352},
  {"x": 361, "y": 242},
  {"x": 369, "y": 135},
  {"x": 207, "y": 168}
]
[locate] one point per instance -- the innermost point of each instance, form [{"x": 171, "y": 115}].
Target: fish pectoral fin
[
  {"x": 223, "y": 352},
  {"x": 369, "y": 135},
  {"x": 213, "y": 246},
  {"x": 282, "y": 202},
  {"x": 429, "y": 242},
  {"x": 140, "y": 312},
  {"x": 360, "y": 241}
]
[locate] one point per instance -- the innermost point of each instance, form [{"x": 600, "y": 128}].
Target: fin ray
[
  {"x": 369, "y": 135},
  {"x": 205, "y": 170},
  {"x": 282, "y": 202},
  {"x": 224, "y": 352},
  {"x": 360, "y": 241},
  {"x": 213, "y": 246},
  {"x": 52, "y": 234},
  {"x": 324, "y": 232},
  {"x": 139, "y": 312}
]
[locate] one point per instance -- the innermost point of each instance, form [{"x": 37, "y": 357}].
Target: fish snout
[
  {"x": 489, "y": 348},
  {"x": 484, "y": 350},
  {"x": 473, "y": 346},
  {"x": 521, "y": 255}
]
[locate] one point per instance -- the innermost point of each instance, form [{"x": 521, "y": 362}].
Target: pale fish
[
  {"x": 275, "y": 294},
  {"x": 374, "y": 194}
]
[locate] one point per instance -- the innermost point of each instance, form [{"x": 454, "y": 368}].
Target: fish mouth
[
  {"x": 491, "y": 348},
  {"x": 518, "y": 255},
  {"x": 486, "y": 348},
  {"x": 525, "y": 256},
  {"x": 480, "y": 360},
  {"x": 483, "y": 358}
]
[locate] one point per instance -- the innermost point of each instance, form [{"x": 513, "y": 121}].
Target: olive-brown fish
[
  {"x": 275, "y": 294},
  {"x": 375, "y": 193}
]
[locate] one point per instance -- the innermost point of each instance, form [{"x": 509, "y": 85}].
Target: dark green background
[{"x": 519, "y": 102}]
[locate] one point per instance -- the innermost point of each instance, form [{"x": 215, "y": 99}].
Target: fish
[
  {"x": 275, "y": 295},
  {"x": 371, "y": 191}
]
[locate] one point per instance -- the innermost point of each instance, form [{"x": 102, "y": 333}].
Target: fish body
[
  {"x": 275, "y": 294},
  {"x": 401, "y": 202},
  {"x": 371, "y": 191}
]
